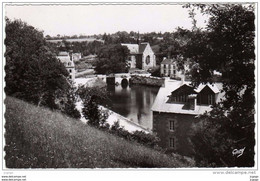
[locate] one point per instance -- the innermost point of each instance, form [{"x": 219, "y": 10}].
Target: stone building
[
  {"x": 141, "y": 56},
  {"x": 67, "y": 60},
  {"x": 175, "y": 109},
  {"x": 76, "y": 57},
  {"x": 169, "y": 68}
]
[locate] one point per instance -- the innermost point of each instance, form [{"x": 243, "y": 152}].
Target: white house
[
  {"x": 169, "y": 68},
  {"x": 67, "y": 60},
  {"x": 76, "y": 56}
]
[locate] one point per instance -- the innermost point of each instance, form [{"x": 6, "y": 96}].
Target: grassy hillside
[{"x": 39, "y": 138}]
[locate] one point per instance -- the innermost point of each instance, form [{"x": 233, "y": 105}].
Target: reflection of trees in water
[
  {"x": 133, "y": 102},
  {"x": 140, "y": 103},
  {"x": 119, "y": 99}
]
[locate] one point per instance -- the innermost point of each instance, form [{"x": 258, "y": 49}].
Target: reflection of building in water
[{"x": 174, "y": 111}]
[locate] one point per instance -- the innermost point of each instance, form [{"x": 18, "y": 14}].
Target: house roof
[
  {"x": 168, "y": 61},
  {"x": 133, "y": 48},
  {"x": 63, "y": 53},
  {"x": 65, "y": 59},
  {"x": 161, "y": 105},
  {"x": 213, "y": 87}
]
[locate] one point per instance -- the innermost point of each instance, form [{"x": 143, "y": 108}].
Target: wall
[
  {"x": 182, "y": 128},
  {"x": 72, "y": 73},
  {"x": 148, "y": 51},
  {"x": 132, "y": 61},
  {"x": 153, "y": 81},
  {"x": 170, "y": 71}
]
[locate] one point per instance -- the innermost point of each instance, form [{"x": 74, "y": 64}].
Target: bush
[
  {"x": 138, "y": 136},
  {"x": 92, "y": 97},
  {"x": 156, "y": 71}
]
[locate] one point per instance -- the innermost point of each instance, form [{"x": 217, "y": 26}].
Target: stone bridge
[{"x": 120, "y": 78}]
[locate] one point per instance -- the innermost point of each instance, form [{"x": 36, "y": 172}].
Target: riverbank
[
  {"x": 113, "y": 116},
  {"x": 147, "y": 80}
]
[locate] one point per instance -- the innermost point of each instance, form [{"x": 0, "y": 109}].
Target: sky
[{"x": 99, "y": 19}]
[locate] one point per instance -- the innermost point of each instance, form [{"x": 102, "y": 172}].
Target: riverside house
[
  {"x": 174, "y": 111},
  {"x": 169, "y": 68}
]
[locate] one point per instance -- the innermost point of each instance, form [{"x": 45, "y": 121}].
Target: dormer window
[
  {"x": 181, "y": 95},
  {"x": 211, "y": 99},
  {"x": 206, "y": 96}
]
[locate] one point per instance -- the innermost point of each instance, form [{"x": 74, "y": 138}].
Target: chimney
[
  {"x": 182, "y": 79},
  {"x": 192, "y": 101},
  {"x": 138, "y": 39}
]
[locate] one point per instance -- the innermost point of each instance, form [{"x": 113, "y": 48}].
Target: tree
[
  {"x": 92, "y": 98},
  {"x": 68, "y": 101},
  {"x": 227, "y": 47},
  {"x": 32, "y": 71},
  {"x": 112, "y": 59}
]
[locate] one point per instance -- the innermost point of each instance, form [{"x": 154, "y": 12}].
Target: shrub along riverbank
[
  {"x": 150, "y": 81},
  {"x": 37, "y": 137}
]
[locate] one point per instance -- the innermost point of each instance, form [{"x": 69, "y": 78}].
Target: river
[{"x": 133, "y": 102}]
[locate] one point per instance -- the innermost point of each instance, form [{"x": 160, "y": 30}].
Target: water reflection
[{"x": 133, "y": 102}]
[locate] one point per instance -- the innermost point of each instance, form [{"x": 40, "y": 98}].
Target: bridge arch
[{"x": 124, "y": 82}]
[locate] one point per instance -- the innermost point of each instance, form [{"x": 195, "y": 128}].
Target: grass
[{"x": 37, "y": 137}]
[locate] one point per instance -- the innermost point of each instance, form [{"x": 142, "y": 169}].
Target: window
[
  {"x": 171, "y": 142},
  {"x": 70, "y": 70},
  {"x": 171, "y": 125},
  {"x": 147, "y": 60},
  {"x": 211, "y": 99},
  {"x": 174, "y": 72},
  {"x": 69, "y": 64},
  {"x": 70, "y": 77},
  {"x": 174, "y": 99}
]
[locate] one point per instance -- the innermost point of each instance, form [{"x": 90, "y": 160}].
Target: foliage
[
  {"x": 227, "y": 47},
  {"x": 85, "y": 48},
  {"x": 112, "y": 59},
  {"x": 156, "y": 71},
  {"x": 92, "y": 98},
  {"x": 32, "y": 71},
  {"x": 68, "y": 103},
  {"x": 138, "y": 136},
  {"x": 36, "y": 137}
]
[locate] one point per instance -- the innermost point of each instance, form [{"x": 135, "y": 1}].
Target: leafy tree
[
  {"x": 67, "y": 103},
  {"x": 32, "y": 71},
  {"x": 227, "y": 47},
  {"x": 156, "y": 71},
  {"x": 112, "y": 59},
  {"x": 92, "y": 98}
]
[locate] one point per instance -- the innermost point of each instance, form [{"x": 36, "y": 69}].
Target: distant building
[
  {"x": 67, "y": 60},
  {"x": 141, "y": 56},
  {"x": 169, "y": 68},
  {"x": 76, "y": 57},
  {"x": 175, "y": 108}
]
